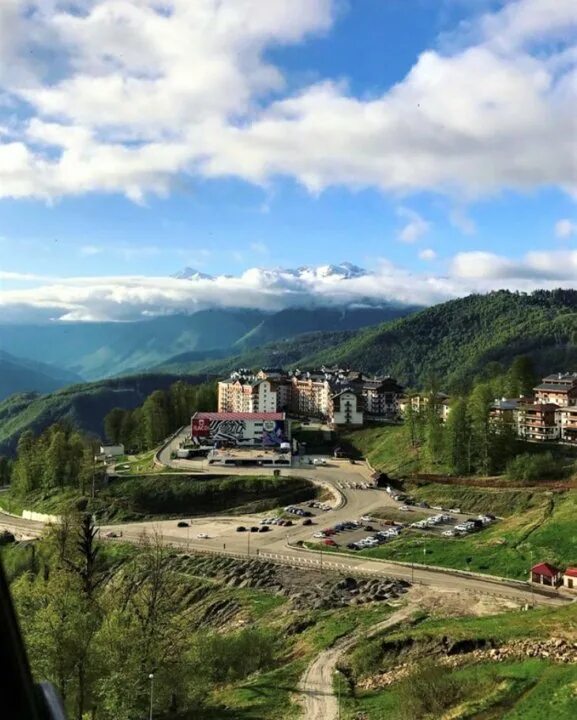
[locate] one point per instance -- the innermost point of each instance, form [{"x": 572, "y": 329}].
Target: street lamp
[{"x": 151, "y": 678}]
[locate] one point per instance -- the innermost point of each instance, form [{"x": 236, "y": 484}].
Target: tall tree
[
  {"x": 458, "y": 438},
  {"x": 522, "y": 377},
  {"x": 113, "y": 425},
  {"x": 481, "y": 431}
]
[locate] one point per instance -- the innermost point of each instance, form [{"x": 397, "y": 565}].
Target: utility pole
[
  {"x": 248, "y": 542},
  {"x": 531, "y": 576},
  {"x": 151, "y": 678}
]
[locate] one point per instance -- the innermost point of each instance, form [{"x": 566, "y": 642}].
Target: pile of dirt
[{"x": 306, "y": 588}]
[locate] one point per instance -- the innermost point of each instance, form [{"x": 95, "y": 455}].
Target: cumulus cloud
[
  {"x": 428, "y": 254},
  {"x": 415, "y": 227},
  {"x": 565, "y": 228},
  {"x": 127, "y": 96}
]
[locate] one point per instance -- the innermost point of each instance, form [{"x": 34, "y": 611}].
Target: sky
[{"x": 431, "y": 142}]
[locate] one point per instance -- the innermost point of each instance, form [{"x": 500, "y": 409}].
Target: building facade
[
  {"x": 242, "y": 429},
  {"x": 347, "y": 408},
  {"x": 310, "y": 394}
]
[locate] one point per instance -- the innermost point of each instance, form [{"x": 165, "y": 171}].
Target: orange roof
[
  {"x": 572, "y": 572},
  {"x": 545, "y": 569}
]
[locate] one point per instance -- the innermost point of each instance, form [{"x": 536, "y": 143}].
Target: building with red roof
[
  {"x": 545, "y": 574},
  {"x": 570, "y": 578}
]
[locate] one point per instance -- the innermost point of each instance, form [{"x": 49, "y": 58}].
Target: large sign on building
[{"x": 238, "y": 429}]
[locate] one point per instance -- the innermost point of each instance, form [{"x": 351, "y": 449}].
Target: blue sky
[{"x": 432, "y": 142}]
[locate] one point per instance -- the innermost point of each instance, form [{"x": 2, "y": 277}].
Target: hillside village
[{"x": 345, "y": 397}]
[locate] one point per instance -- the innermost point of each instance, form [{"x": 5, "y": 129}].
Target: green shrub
[{"x": 528, "y": 468}]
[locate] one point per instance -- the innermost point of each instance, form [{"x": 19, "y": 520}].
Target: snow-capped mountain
[
  {"x": 189, "y": 273},
  {"x": 342, "y": 271}
]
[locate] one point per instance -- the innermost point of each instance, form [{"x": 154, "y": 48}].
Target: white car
[
  {"x": 319, "y": 535},
  {"x": 202, "y": 536},
  {"x": 319, "y": 461},
  {"x": 448, "y": 533}
]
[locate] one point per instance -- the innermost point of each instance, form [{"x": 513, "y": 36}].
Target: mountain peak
[{"x": 189, "y": 273}]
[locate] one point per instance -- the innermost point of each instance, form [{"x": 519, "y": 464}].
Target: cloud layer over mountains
[{"x": 132, "y": 298}]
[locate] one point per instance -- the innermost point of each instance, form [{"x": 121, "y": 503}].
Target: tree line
[
  {"x": 161, "y": 413},
  {"x": 97, "y": 624},
  {"x": 58, "y": 458},
  {"x": 471, "y": 440}
]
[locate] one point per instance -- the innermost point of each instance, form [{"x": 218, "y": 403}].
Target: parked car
[
  {"x": 182, "y": 523},
  {"x": 369, "y": 528},
  {"x": 307, "y": 521},
  {"x": 264, "y": 528},
  {"x": 255, "y": 528},
  {"x": 241, "y": 528},
  {"x": 320, "y": 534},
  {"x": 111, "y": 534},
  {"x": 330, "y": 542},
  {"x": 202, "y": 536},
  {"x": 352, "y": 546}
]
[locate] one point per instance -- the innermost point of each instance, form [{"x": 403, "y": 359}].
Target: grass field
[{"x": 525, "y": 690}]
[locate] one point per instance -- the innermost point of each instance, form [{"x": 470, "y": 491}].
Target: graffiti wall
[{"x": 270, "y": 433}]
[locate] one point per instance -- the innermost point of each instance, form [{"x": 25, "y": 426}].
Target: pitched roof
[
  {"x": 238, "y": 416},
  {"x": 553, "y": 387},
  {"x": 571, "y": 572},
  {"x": 545, "y": 569}
]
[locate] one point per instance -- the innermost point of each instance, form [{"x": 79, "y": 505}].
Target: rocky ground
[
  {"x": 556, "y": 650},
  {"x": 306, "y": 588}
]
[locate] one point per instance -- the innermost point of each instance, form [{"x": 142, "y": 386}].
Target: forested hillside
[
  {"x": 84, "y": 406},
  {"x": 455, "y": 341}
]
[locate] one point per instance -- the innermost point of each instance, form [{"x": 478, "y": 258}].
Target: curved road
[
  {"x": 279, "y": 543},
  {"x": 316, "y": 685}
]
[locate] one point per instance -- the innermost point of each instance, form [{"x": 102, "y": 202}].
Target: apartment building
[
  {"x": 538, "y": 421},
  {"x": 559, "y": 388},
  {"x": 313, "y": 393},
  {"x": 243, "y": 393},
  {"x": 419, "y": 402}
]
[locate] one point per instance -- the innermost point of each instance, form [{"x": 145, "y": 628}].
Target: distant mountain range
[
  {"x": 453, "y": 342},
  {"x": 22, "y": 375},
  {"x": 343, "y": 271},
  {"x": 96, "y": 350}
]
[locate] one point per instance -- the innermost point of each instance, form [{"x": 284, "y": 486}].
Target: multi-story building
[
  {"x": 346, "y": 407},
  {"x": 567, "y": 423},
  {"x": 243, "y": 393},
  {"x": 309, "y": 393},
  {"x": 559, "y": 388},
  {"x": 538, "y": 421},
  {"x": 419, "y": 402}
]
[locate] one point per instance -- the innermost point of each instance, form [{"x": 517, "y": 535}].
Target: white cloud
[
  {"x": 125, "y": 96},
  {"x": 565, "y": 228},
  {"x": 136, "y": 297},
  {"x": 428, "y": 254},
  {"x": 415, "y": 227}
]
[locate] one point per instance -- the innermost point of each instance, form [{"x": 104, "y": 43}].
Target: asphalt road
[{"x": 279, "y": 543}]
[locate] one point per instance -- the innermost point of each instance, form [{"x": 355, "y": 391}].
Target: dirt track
[{"x": 316, "y": 685}]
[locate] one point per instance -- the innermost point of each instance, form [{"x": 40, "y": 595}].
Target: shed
[
  {"x": 545, "y": 574},
  {"x": 570, "y": 578}
]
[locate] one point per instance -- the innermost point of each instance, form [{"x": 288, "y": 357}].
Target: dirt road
[{"x": 316, "y": 685}]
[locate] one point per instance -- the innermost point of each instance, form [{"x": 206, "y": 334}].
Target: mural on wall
[
  {"x": 239, "y": 432},
  {"x": 273, "y": 433}
]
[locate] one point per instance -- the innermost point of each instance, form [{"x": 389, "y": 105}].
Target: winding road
[
  {"x": 316, "y": 686},
  {"x": 280, "y": 544}
]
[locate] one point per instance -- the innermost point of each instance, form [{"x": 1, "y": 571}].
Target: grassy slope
[
  {"x": 536, "y": 519},
  {"x": 135, "y": 499},
  {"x": 514, "y": 690}
]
